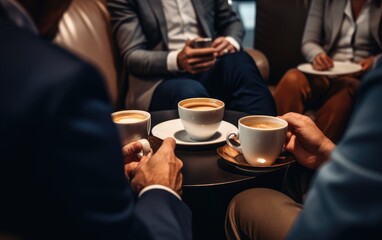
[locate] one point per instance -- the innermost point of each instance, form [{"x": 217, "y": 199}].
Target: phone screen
[{"x": 202, "y": 43}]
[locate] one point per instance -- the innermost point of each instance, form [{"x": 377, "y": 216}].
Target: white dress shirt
[
  {"x": 355, "y": 40},
  {"x": 182, "y": 26}
]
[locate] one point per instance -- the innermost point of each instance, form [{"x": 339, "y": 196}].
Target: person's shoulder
[{"x": 31, "y": 59}]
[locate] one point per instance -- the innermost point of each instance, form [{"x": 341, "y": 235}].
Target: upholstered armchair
[{"x": 85, "y": 30}]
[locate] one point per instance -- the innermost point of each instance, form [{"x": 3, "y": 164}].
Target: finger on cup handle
[
  {"x": 146, "y": 148},
  {"x": 131, "y": 151}
]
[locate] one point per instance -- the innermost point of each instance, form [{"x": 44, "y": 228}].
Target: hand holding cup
[{"x": 162, "y": 168}]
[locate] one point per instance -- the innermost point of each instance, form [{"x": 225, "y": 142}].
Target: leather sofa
[{"x": 85, "y": 30}]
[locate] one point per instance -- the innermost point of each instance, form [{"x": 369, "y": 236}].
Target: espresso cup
[
  {"x": 132, "y": 125},
  {"x": 261, "y": 139},
  {"x": 201, "y": 117}
]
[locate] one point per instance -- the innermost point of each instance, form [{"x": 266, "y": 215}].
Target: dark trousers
[{"x": 235, "y": 79}]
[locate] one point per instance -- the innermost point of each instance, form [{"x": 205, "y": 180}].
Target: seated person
[
  {"x": 344, "y": 199},
  {"x": 343, "y": 30},
  {"x": 155, "y": 39},
  {"x": 61, "y": 165}
]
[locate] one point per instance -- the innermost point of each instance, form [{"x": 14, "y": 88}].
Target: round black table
[
  {"x": 209, "y": 184},
  {"x": 201, "y": 163}
]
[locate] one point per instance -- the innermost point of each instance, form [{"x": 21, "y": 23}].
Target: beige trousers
[{"x": 260, "y": 213}]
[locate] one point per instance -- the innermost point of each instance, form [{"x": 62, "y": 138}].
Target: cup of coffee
[
  {"x": 261, "y": 139},
  {"x": 201, "y": 117},
  {"x": 132, "y": 125}
]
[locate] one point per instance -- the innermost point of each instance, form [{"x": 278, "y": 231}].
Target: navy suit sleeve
[
  {"x": 171, "y": 213},
  {"x": 345, "y": 199},
  {"x": 83, "y": 164}
]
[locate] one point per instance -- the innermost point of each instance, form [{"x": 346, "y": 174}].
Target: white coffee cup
[
  {"x": 133, "y": 125},
  {"x": 261, "y": 139},
  {"x": 201, "y": 117}
]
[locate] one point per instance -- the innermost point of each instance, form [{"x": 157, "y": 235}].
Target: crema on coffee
[
  {"x": 129, "y": 118},
  {"x": 263, "y": 124},
  {"x": 201, "y": 105}
]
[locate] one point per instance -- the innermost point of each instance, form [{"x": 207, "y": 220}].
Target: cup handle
[
  {"x": 146, "y": 148},
  {"x": 228, "y": 140}
]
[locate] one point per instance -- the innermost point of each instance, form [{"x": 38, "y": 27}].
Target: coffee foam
[
  {"x": 263, "y": 124},
  {"x": 129, "y": 118},
  {"x": 201, "y": 105}
]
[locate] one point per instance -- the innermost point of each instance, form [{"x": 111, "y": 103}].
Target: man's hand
[
  {"x": 222, "y": 46},
  {"x": 131, "y": 152},
  {"x": 162, "y": 168},
  {"x": 306, "y": 142},
  {"x": 367, "y": 64},
  {"x": 196, "y": 60},
  {"x": 322, "y": 62}
]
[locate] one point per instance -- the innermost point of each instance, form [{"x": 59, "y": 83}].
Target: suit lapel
[
  {"x": 337, "y": 15},
  {"x": 200, "y": 14},
  {"x": 156, "y": 7}
]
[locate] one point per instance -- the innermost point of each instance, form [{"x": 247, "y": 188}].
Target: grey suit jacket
[
  {"x": 140, "y": 30},
  {"x": 324, "y": 24},
  {"x": 344, "y": 200}
]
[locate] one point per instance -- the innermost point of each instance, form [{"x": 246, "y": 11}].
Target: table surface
[{"x": 202, "y": 166}]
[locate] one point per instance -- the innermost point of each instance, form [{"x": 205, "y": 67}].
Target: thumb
[{"x": 188, "y": 43}]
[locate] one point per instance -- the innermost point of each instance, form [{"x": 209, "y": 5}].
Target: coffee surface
[
  {"x": 201, "y": 106},
  {"x": 263, "y": 124},
  {"x": 129, "y": 118}
]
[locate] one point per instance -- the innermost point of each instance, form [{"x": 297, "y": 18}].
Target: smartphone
[{"x": 202, "y": 43}]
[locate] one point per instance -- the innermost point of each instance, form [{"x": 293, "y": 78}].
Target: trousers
[
  {"x": 234, "y": 79},
  {"x": 332, "y": 98}
]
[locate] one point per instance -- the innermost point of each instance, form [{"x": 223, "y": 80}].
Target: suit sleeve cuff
[
  {"x": 157, "y": 186},
  {"x": 233, "y": 42},
  {"x": 172, "y": 64}
]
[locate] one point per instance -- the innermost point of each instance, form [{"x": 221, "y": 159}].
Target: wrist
[{"x": 325, "y": 150}]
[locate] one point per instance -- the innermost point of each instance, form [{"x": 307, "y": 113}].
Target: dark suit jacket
[
  {"x": 140, "y": 31},
  {"x": 140, "y": 27},
  {"x": 61, "y": 166}
]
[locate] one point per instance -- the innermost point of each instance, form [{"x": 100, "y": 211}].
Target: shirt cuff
[
  {"x": 172, "y": 63},
  {"x": 157, "y": 186},
  {"x": 233, "y": 42}
]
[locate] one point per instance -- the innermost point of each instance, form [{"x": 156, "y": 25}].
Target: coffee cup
[
  {"x": 133, "y": 125},
  {"x": 261, "y": 139},
  {"x": 201, "y": 117}
]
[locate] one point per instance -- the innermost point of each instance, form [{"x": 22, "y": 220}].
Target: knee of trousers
[
  {"x": 250, "y": 207},
  {"x": 236, "y": 59},
  {"x": 349, "y": 83},
  {"x": 189, "y": 89}
]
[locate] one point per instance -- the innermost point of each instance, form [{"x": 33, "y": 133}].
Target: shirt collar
[
  {"x": 348, "y": 11},
  {"x": 18, "y": 15}
]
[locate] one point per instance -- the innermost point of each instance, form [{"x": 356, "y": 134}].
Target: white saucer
[
  {"x": 174, "y": 128},
  {"x": 340, "y": 68}
]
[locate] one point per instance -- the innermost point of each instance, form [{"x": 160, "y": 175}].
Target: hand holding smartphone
[{"x": 202, "y": 43}]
